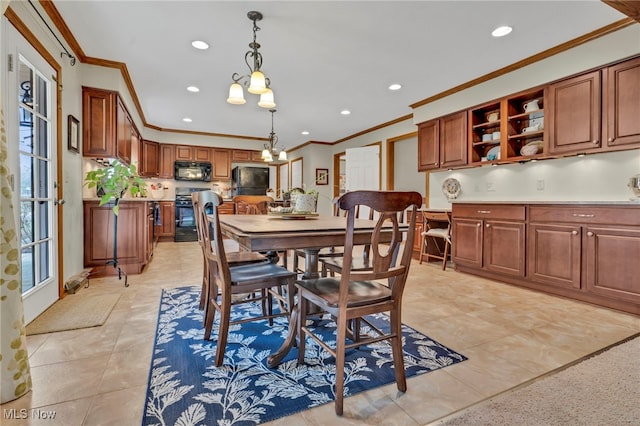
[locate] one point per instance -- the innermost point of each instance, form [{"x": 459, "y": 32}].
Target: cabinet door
[
  {"x": 184, "y": 153},
  {"x": 621, "y": 104},
  {"x": 99, "y": 227},
  {"x": 150, "y": 159},
  {"x": 453, "y": 140},
  {"x": 221, "y": 163},
  {"x": 429, "y": 145},
  {"x": 574, "y": 120},
  {"x": 98, "y": 123},
  {"x": 167, "y": 228},
  {"x": 467, "y": 242},
  {"x": 202, "y": 153},
  {"x": 167, "y": 158},
  {"x": 504, "y": 244},
  {"x": 554, "y": 254},
  {"x": 241, "y": 155},
  {"x": 612, "y": 266},
  {"x": 123, "y": 133}
]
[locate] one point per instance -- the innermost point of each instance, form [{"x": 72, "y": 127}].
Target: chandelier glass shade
[
  {"x": 270, "y": 151},
  {"x": 255, "y": 81}
]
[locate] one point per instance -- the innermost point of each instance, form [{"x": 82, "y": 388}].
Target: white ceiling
[{"x": 321, "y": 56}]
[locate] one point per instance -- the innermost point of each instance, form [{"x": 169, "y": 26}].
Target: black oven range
[{"x": 185, "y": 217}]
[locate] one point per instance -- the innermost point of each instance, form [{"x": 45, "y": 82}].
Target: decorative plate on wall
[{"x": 451, "y": 188}]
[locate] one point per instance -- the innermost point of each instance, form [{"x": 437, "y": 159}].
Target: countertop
[{"x": 630, "y": 202}]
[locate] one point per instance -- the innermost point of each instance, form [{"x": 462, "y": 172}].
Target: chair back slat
[
  {"x": 212, "y": 240},
  {"x": 388, "y": 207}
]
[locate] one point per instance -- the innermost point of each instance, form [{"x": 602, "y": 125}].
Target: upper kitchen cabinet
[
  {"x": 573, "y": 121},
  {"x": 245, "y": 155},
  {"x": 167, "y": 158},
  {"x": 221, "y": 163},
  {"x": 442, "y": 142},
  {"x": 192, "y": 153},
  {"x": 149, "y": 159},
  {"x": 525, "y": 134},
  {"x": 484, "y": 132},
  {"x": 621, "y": 105},
  {"x": 108, "y": 129}
]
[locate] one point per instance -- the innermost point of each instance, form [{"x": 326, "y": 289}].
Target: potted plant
[{"x": 111, "y": 183}]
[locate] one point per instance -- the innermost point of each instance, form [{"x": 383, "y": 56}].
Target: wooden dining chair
[
  {"x": 356, "y": 294},
  {"x": 202, "y": 200},
  {"x": 331, "y": 265},
  {"x": 252, "y": 204},
  {"x": 436, "y": 237},
  {"x": 264, "y": 279},
  {"x": 325, "y": 252}
]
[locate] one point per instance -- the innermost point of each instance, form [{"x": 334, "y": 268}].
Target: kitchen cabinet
[
  {"x": 133, "y": 238},
  {"x": 592, "y": 249},
  {"x": 442, "y": 143},
  {"x": 621, "y": 105},
  {"x": 417, "y": 234},
  {"x": 246, "y": 156},
  {"x": 108, "y": 129},
  {"x": 166, "y": 228},
  {"x": 228, "y": 207},
  {"x": 221, "y": 163},
  {"x": 165, "y": 163},
  {"x": 586, "y": 252},
  {"x": 192, "y": 153},
  {"x": 149, "y": 159},
  {"x": 490, "y": 237},
  {"x": 574, "y": 114}
]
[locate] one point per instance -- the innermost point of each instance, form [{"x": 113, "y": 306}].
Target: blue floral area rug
[{"x": 185, "y": 388}]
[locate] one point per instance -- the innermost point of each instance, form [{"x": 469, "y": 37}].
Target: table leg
[
  {"x": 274, "y": 359},
  {"x": 310, "y": 272}
]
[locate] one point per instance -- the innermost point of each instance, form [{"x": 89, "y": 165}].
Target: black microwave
[{"x": 193, "y": 171}]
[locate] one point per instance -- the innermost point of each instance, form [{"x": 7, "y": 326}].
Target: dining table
[{"x": 311, "y": 233}]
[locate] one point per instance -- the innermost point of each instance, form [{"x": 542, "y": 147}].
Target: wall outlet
[
  {"x": 491, "y": 186},
  {"x": 540, "y": 184}
]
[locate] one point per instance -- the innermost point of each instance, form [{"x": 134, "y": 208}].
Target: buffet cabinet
[
  {"x": 587, "y": 252},
  {"x": 591, "y": 112},
  {"x": 135, "y": 236}
]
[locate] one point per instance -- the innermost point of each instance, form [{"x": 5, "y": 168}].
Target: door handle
[{"x": 60, "y": 202}]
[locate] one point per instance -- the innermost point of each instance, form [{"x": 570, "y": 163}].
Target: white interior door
[
  {"x": 30, "y": 102},
  {"x": 362, "y": 170}
]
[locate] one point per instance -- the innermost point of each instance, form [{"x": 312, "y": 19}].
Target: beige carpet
[
  {"x": 602, "y": 390},
  {"x": 74, "y": 311}
]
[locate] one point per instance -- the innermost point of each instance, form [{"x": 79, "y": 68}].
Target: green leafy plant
[{"x": 113, "y": 181}]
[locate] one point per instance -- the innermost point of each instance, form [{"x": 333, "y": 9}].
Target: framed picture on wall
[
  {"x": 322, "y": 176},
  {"x": 73, "y": 134}
]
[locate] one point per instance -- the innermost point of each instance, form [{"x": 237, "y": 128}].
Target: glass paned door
[{"x": 31, "y": 130}]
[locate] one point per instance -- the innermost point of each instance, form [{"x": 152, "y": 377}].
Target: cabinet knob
[
  {"x": 478, "y": 225},
  {"x": 574, "y": 232},
  {"x": 590, "y": 234},
  {"x": 595, "y": 141},
  {"x": 436, "y": 164},
  {"x": 610, "y": 139},
  {"x": 488, "y": 226}
]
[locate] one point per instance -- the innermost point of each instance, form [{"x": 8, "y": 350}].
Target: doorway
[{"x": 31, "y": 123}]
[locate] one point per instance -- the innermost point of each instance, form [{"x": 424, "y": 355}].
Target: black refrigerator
[{"x": 246, "y": 180}]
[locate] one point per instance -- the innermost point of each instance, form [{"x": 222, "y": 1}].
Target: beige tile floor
[{"x": 98, "y": 376}]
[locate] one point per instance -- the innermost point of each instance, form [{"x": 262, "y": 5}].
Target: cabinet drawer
[
  {"x": 489, "y": 211},
  {"x": 585, "y": 214}
]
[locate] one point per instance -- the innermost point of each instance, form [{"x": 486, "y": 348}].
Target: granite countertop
[{"x": 629, "y": 202}]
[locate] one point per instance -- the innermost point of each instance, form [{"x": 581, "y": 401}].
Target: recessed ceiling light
[
  {"x": 345, "y": 112},
  {"x": 501, "y": 31},
  {"x": 395, "y": 86},
  {"x": 193, "y": 89},
  {"x": 199, "y": 44},
  {"x": 187, "y": 120},
  {"x": 305, "y": 132}
]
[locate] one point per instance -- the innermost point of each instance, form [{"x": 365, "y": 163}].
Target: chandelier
[
  {"x": 256, "y": 81},
  {"x": 270, "y": 151}
]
